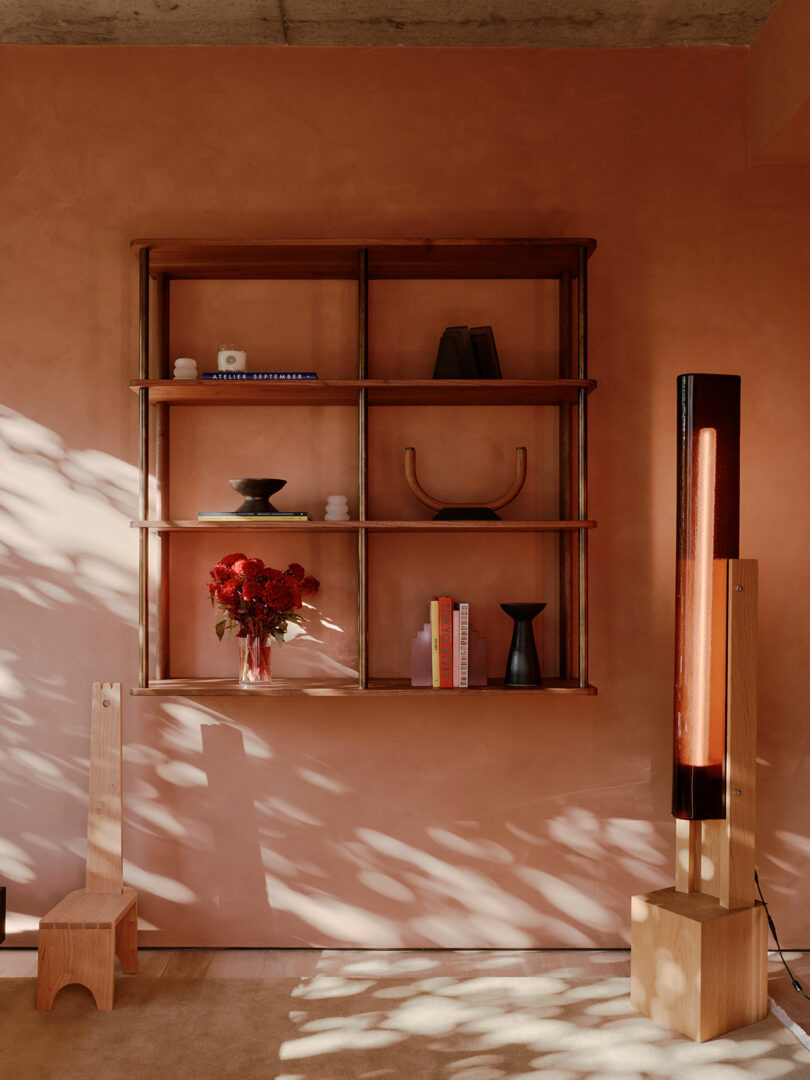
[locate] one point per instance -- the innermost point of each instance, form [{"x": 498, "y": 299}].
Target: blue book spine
[{"x": 257, "y": 376}]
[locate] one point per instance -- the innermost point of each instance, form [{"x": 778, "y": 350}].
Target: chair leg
[
  {"x": 126, "y": 940},
  {"x": 76, "y": 955},
  {"x": 50, "y": 967}
]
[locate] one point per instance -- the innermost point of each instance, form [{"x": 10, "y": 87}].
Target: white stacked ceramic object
[
  {"x": 337, "y": 508},
  {"x": 185, "y": 368}
]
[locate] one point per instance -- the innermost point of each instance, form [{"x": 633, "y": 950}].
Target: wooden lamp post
[{"x": 699, "y": 950}]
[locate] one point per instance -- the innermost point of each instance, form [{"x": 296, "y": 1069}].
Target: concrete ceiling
[{"x": 550, "y": 23}]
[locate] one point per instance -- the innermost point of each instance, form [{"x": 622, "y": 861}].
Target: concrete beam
[
  {"x": 501, "y": 23},
  {"x": 779, "y": 86}
]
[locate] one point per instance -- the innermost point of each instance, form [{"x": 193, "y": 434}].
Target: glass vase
[{"x": 254, "y": 661}]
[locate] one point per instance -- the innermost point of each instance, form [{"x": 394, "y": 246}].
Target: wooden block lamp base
[{"x": 696, "y": 967}]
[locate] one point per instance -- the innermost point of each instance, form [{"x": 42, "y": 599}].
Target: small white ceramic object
[
  {"x": 185, "y": 368},
  {"x": 231, "y": 358},
  {"x": 337, "y": 508}
]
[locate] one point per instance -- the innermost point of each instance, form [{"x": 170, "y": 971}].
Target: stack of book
[
  {"x": 240, "y": 516},
  {"x": 447, "y": 652},
  {"x": 467, "y": 353},
  {"x": 258, "y": 376}
]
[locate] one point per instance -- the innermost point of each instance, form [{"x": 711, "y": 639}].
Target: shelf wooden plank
[
  {"x": 477, "y": 391},
  {"x": 220, "y": 259},
  {"x": 494, "y": 686},
  {"x": 236, "y": 392},
  {"x": 476, "y": 259},
  {"x": 255, "y": 526},
  {"x": 380, "y": 391},
  {"x": 417, "y": 258},
  {"x": 370, "y": 526},
  {"x": 342, "y": 688},
  {"x": 476, "y": 526}
]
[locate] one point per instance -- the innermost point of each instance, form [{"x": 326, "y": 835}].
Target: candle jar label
[{"x": 231, "y": 359}]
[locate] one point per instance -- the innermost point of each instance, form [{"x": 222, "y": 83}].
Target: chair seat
[{"x": 87, "y": 910}]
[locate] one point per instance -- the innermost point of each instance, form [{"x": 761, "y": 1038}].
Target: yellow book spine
[{"x": 434, "y": 642}]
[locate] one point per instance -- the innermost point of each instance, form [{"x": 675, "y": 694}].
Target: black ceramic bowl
[{"x": 257, "y": 492}]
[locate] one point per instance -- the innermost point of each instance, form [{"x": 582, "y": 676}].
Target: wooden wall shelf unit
[{"x": 564, "y": 261}]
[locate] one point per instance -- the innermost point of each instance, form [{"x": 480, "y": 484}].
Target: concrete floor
[{"x": 406, "y": 964}]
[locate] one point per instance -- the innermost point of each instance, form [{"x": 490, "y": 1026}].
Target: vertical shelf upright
[{"x": 362, "y": 468}]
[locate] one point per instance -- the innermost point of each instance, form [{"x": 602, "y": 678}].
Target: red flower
[
  {"x": 252, "y": 590},
  {"x": 257, "y": 600},
  {"x": 249, "y": 569},
  {"x": 228, "y": 593},
  {"x": 229, "y": 560},
  {"x": 277, "y": 595}
]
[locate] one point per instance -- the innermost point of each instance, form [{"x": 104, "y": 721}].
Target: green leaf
[{"x": 220, "y": 628}]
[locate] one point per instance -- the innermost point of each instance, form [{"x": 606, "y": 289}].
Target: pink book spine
[
  {"x": 463, "y": 644},
  {"x": 456, "y": 643}
]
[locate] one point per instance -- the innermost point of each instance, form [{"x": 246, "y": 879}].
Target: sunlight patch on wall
[
  {"x": 186, "y": 735},
  {"x": 275, "y": 807},
  {"x": 385, "y": 885},
  {"x": 158, "y": 885},
  {"x": 66, "y": 511},
  {"x": 579, "y": 830},
  {"x": 797, "y": 843},
  {"x": 15, "y": 864},
  {"x": 18, "y": 923},
  {"x": 331, "y": 916},
  {"x": 32, "y": 767},
  {"x": 182, "y": 774},
  {"x": 10, "y": 687},
  {"x": 474, "y": 849},
  {"x": 157, "y": 815},
  {"x": 568, "y": 899},
  {"x": 328, "y": 783}
]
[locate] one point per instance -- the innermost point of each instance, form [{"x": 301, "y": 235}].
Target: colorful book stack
[{"x": 447, "y": 652}]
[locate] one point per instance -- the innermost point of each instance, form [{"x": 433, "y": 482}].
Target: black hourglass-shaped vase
[
  {"x": 522, "y": 665},
  {"x": 257, "y": 492}
]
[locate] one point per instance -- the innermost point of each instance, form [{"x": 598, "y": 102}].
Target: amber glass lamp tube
[{"x": 708, "y": 536}]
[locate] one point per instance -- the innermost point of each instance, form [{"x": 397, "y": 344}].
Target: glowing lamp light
[{"x": 708, "y": 536}]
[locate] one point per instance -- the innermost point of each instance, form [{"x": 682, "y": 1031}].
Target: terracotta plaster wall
[
  {"x": 392, "y": 822},
  {"x": 779, "y": 86}
]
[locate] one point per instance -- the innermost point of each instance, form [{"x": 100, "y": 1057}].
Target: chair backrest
[{"x": 105, "y": 846}]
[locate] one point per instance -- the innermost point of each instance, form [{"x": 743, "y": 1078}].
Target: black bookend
[
  {"x": 455, "y": 358},
  {"x": 486, "y": 355}
]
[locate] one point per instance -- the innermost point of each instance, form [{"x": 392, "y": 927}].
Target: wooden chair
[{"x": 80, "y": 937}]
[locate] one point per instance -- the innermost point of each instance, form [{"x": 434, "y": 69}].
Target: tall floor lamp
[{"x": 699, "y": 950}]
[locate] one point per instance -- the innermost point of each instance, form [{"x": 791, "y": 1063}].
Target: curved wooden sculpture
[{"x": 481, "y": 511}]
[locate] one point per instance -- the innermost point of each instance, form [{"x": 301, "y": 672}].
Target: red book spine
[{"x": 445, "y": 641}]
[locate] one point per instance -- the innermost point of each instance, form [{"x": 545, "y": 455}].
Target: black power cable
[{"x": 796, "y": 984}]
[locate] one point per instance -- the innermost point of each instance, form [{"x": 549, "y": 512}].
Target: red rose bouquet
[{"x": 257, "y": 599}]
